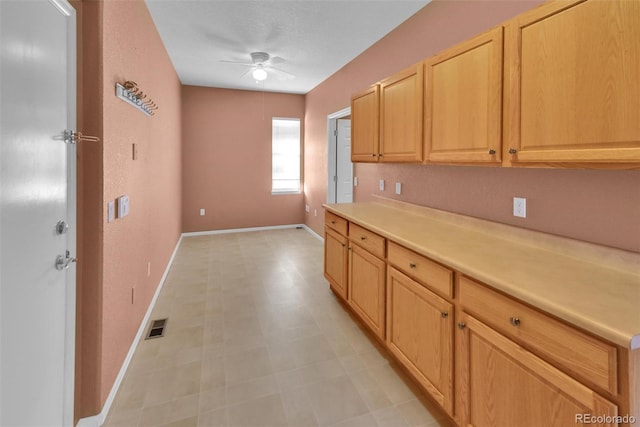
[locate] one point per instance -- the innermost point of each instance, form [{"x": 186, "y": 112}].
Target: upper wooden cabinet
[
  {"x": 463, "y": 102},
  {"x": 401, "y": 99},
  {"x": 573, "y": 87},
  {"x": 365, "y": 109}
]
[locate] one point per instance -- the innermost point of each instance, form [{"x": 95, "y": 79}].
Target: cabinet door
[
  {"x": 573, "y": 92},
  {"x": 401, "y": 99},
  {"x": 365, "y": 110},
  {"x": 367, "y": 288},
  {"x": 505, "y": 385},
  {"x": 420, "y": 334},
  {"x": 335, "y": 261},
  {"x": 463, "y": 108}
]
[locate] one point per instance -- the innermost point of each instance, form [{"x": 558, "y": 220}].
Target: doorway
[
  {"x": 37, "y": 212},
  {"x": 339, "y": 166}
]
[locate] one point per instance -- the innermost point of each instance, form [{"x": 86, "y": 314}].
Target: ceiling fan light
[{"x": 259, "y": 74}]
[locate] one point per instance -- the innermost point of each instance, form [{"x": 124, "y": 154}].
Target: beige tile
[
  {"x": 213, "y": 373},
  {"x": 335, "y": 400},
  {"x": 309, "y": 374},
  {"x": 170, "y": 411},
  {"x": 415, "y": 414},
  {"x": 298, "y": 408},
  {"x": 372, "y": 393},
  {"x": 247, "y": 365},
  {"x": 366, "y": 420},
  {"x": 264, "y": 411},
  {"x": 389, "y": 417},
  {"x": 173, "y": 383},
  {"x": 249, "y": 390},
  {"x": 216, "y": 418},
  {"x": 213, "y": 399},
  {"x": 186, "y": 422},
  {"x": 118, "y": 418},
  {"x": 310, "y": 350}
]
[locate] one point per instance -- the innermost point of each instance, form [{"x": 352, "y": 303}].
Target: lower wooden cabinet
[
  {"x": 367, "y": 288},
  {"x": 420, "y": 335},
  {"x": 335, "y": 261},
  {"x": 502, "y": 384}
]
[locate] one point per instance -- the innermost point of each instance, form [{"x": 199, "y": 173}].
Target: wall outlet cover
[
  {"x": 398, "y": 188},
  {"x": 355, "y": 181},
  {"x": 520, "y": 207},
  {"x": 202, "y": 212},
  {"x": 381, "y": 185},
  {"x": 123, "y": 206}
]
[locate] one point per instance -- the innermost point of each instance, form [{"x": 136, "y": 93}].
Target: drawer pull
[
  {"x": 514, "y": 321},
  {"x": 462, "y": 325},
  {"x": 444, "y": 314},
  {"x": 492, "y": 151},
  {"x": 413, "y": 265},
  {"x": 512, "y": 151},
  {"x": 363, "y": 238},
  {"x": 333, "y": 222}
]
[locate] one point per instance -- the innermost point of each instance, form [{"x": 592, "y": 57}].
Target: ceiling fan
[{"x": 262, "y": 66}]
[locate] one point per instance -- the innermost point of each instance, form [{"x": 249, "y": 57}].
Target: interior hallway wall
[
  {"x": 595, "y": 206},
  {"x": 226, "y": 155},
  {"x": 120, "y": 43}
]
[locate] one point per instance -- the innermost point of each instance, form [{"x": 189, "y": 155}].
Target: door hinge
[
  {"x": 335, "y": 132},
  {"x": 335, "y": 178},
  {"x": 71, "y": 137}
]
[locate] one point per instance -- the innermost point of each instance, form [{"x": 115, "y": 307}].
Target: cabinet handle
[
  {"x": 462, "y": 325},
  {"x": 444, "y": 314},
  {"x": 379, "y": 155},
  {"x": 343, "y": 245},
  {"x": 349, "y": 247},
  {"x": 512, "y": 151},
  {"x": 492, "y": 151},
  {"x": 373, "y": 155},
  {"x": 363, "y": 238},
  {"x": 514, "y": 321},
  {"x": 333, "y": 222},
  {"x": 412, "y": 265}
]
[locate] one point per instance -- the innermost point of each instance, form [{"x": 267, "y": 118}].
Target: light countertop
[{"x": 593, "y": 287}]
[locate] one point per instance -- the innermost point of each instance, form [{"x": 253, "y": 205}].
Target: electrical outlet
[
  {"x": 315, "y": 212},
  {"x": 398, "y": 188},
  {"x": 307, "y": 208},
  {"x": 520, "y": 207},
  {"x": 355, "y": 181},
  {"x": 381, "y": 185},
  {"x": 202, "y": 212}
]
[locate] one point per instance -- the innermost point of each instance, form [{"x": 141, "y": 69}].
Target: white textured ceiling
[{"x": 315, "y": 37}]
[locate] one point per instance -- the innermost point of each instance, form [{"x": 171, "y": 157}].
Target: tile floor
[{"x": 255, "y": 338}]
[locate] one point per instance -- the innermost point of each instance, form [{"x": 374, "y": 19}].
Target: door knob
[{"x": 61, "y": 227}]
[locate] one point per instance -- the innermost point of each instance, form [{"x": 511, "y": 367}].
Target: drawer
[
  {"x": 367, "y": 239},
  {"x": 430, "y": 273},
  {"x": 578, "y": 353},
  {"x": 337, "y": 223}
]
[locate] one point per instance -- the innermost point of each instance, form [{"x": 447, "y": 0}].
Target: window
[{"x": 285, "y": 156}]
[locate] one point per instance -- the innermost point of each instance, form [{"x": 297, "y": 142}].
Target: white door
[
  {"x": 37, "y": 189},
  {"x": 344, "y": 167}
]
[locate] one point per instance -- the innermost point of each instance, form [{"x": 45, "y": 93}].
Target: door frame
[
  {"x": 65, "y": 8},
  {"x": 332, "y": 153}
]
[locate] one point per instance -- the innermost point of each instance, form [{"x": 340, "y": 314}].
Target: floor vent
[
  {"x": 157, "y": 328},
  {"x": 298, "y": 228}
]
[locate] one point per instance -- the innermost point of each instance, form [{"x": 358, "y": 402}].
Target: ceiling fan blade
[
  {"x": 237, "y": 62},
  {"x": 276, "y": 60},
  {"x": 245, "y": 74},
  {"x": 280, "y": 74}
]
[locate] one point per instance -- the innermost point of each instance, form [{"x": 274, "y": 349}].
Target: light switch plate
[
  {"x": 111, "y": 211},
  {"x": 123, "y": 206},
  {"x": 355, "y": 181},
  {"x": 381, "y": 185},
  {"x": 202, "y": 212},
  {"x": 520, "y": 207},
  {"x": 398, "y": 188}
]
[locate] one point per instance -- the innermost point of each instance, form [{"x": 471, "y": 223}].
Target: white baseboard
[
  {"x": 313, "y": 233},
  {"x": 242, "y": 230},
  {"x": 99, "y": 419}
]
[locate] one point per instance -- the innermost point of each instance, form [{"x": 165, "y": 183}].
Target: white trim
[
  {"x": 99, "y": 419},
  {"x": 241, "y": 230},
  {"x": 332, "y": 152},
  {"x": 63, "y": 6},
  {"x": 313, "y": 233}
]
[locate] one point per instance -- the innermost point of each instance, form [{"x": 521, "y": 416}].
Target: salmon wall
[
  {"x": 226, "y": 155},
  {"x": 596, "y": 206},
  {"x": 130, "y": 49}
]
